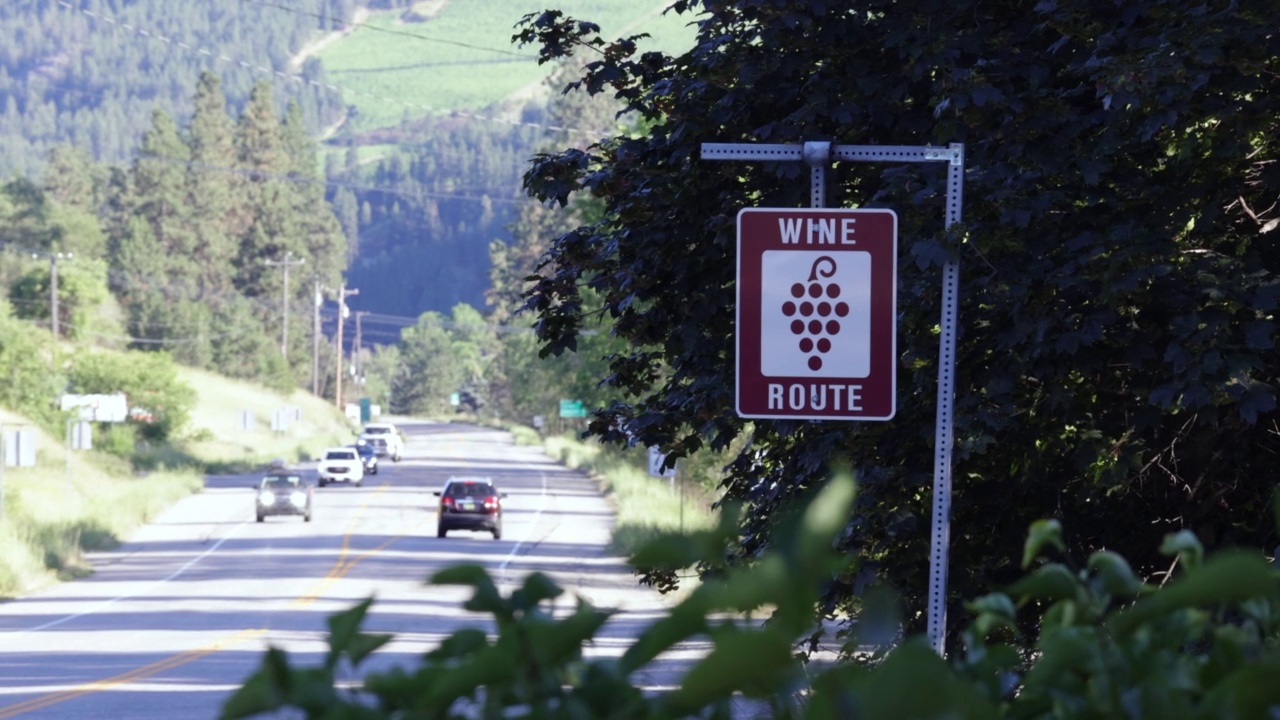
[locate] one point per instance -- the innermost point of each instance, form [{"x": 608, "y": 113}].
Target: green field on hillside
[{"x": 389, "y": 76}]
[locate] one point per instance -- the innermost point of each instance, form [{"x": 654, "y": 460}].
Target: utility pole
[
  {"x": 54, "y": 257},
  {"x": 315, "y": 337},
  {"x": 286, "y": 262},
  {"x": 342, "y": 316},
  {"x": 53, "y": 294},
  {"x": 356, "y": 361}
]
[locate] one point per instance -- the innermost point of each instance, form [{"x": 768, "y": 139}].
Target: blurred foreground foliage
[{"x": 1107, "y": 645}]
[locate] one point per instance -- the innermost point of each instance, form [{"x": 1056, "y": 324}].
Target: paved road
[{"x": 174, "y": 620}]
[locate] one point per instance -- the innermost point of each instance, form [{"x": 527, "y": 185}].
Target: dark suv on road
[{"x": 469, "y": 503}]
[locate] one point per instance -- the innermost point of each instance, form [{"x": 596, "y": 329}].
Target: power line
[
  {"x": 303, "y": 180},
  {"x": 406, "y": 33},
  {"x": 189, "y": 340},
  {"x": 122, "y": 280}
]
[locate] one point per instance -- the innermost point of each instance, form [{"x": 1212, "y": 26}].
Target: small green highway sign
[{"x": 572, "y": 409}]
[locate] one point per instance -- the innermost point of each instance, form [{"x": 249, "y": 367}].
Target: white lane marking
[
  {"x": 533, "y": 527},
  {"x": 107, "y": 603}
]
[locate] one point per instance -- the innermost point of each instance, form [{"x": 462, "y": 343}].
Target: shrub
[
  {"x": 119, "y": 439},
  {"x": 149, "y": 380},
  {"x": 26, "y": 383}
]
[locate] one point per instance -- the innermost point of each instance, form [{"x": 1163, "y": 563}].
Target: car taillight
[
  {"x": 446, "y": 502},
  {"x": 491, "y": 503}
]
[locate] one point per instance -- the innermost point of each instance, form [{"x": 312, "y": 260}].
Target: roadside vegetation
[
  {"x": 54, "y": 512},
  {"x": 645, "y": 506},
  {"x": 184, "y": 424},
  {"x": 217, "y": 439}
]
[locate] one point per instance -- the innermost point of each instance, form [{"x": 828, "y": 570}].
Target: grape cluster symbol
[{"x": 816, "y": 311}]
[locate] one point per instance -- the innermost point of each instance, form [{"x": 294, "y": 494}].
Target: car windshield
[
  {"x": 340, "y": 455},
  {"x": 364, "y": 449},
  {"x": 281, "y": 482},
  {"x": 469, "y": 489},
  {"x": 377, "y": 431}
]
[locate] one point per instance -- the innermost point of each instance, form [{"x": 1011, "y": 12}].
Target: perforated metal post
[
  {"x": 940, "y": 544},
  {"x": 818, "y": 155}
]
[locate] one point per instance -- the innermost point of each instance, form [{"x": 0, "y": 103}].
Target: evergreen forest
[
  {"x": 161, "y": 253},
  {"x": 419, "y": 201},
  {"x": 88, "y": 73}
]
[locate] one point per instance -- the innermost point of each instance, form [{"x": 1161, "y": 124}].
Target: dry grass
[
  {"x": 53, "y": 512},
  {"x": 217, "y": 436},
  {"x": 645, "y": 506}
]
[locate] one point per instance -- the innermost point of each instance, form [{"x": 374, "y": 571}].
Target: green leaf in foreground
[
  {"x": 753, "y": 662},
  {"x": 1043, "y": 533},
  {"x": 913, "y": 682},
  {"x": 1233, "y": 576}
]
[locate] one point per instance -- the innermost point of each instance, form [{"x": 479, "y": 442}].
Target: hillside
[
  {"x": 444, "y": 114},
  {"x": 457, "y": 55},
  {"x": 89, "y": 74},
  {"x": 217, "y": 433},
  {"x": 427, "y": 114}
]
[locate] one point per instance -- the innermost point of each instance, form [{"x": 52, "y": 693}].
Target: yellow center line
[
  {"x": 139, "y": 673},
  {"x": 339, "y": 569},
  {"x": 343, "y": 566}
]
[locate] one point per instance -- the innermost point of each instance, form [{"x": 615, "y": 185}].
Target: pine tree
[
  {"x": 157, "y": 249},
  {"x": 71, "y": 179},
  {"x": 270, "y": 229},
  {"x": 347, "y": 208},
  {"x": 213, "y": 188},
  {"x": 159, "y": 192}
]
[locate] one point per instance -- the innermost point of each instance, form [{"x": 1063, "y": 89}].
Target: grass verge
[
  {"x": 645, "y": 506},
  {"x": 55, "y": 512}
]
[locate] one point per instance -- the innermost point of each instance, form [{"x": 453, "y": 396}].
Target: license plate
[{"x": 468, "y": 505}]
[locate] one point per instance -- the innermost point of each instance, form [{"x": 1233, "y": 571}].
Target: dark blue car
[{"x": 368, "y": 455}]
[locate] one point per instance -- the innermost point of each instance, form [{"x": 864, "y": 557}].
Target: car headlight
[
  {"x": 298, "y": 498},
  {"x": 267, "y": 497}
]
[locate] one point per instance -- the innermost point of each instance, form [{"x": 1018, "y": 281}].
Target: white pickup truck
[
  {"x": 390, "y": 437},
  {"x": 340, "y": 464}
]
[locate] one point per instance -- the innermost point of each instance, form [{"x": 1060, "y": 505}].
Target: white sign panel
[
  {"x": 816, "y": 314},
  {"x": 656, "y": 458},
  {"x": 20, "y": 448},
  {"x": 98, "y": 408},
  {"x": 82, "y": 436}
]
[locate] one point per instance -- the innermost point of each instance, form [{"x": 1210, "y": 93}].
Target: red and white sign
[{"x": 816, "y": 315}]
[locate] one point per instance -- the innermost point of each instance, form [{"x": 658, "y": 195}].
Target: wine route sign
[{"x": 816, "y": 313}]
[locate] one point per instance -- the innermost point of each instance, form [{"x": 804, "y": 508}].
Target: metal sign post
[
  {"x": 66, "y": 475},
  {"x": 818, "y": 155}
]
